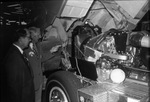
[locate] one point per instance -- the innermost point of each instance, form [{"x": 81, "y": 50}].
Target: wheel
[{"x": 62, "y": 86}]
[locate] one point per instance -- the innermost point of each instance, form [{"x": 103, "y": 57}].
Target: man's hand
[{"x": 55, "y": 48}]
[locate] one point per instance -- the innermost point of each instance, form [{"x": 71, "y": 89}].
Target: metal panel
[
  {"x": 76, "y": 8},
  {"x": 132, "y": 6}
]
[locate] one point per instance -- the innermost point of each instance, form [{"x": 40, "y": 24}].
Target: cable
[
  {"x": 78, "y": 66},
  {"x": 80, "y": 50}
]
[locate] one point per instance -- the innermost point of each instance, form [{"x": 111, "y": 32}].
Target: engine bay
[{"x": 103, "y": 34}]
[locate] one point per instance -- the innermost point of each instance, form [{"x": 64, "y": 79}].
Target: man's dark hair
[{"x": 19, "y": 33}]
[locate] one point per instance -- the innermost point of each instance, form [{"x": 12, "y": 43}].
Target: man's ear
[{"x": 20, "y": 39}]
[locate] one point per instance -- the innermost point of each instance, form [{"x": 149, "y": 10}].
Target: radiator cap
[{"x": 117, "y": 76}]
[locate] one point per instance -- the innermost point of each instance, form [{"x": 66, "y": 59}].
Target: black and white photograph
[{"x": 75, "y": 51}]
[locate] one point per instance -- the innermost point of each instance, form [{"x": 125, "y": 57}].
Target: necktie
[
  {"x": 26, "y": 59},
  {"x": 35, "y": 49}
]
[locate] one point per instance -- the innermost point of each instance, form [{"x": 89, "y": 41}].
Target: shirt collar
[{"x": 19, "y": 48}]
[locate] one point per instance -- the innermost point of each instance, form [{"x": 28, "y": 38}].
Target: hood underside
[{"x": 119, "y": 14}]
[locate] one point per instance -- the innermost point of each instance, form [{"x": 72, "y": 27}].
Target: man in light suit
[
  {"x": 34, "y": 55},
  {"x": 19, "y": 75}
]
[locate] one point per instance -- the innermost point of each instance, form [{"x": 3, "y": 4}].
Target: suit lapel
[
  {"x": 27, "y": 63},
  {"x": 24, "y": 59}
]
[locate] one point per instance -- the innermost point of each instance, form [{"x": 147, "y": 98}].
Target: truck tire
[{"x": 62, "y": 86}]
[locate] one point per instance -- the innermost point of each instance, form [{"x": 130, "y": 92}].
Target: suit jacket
[
  {"x": 19, "y": 78},
  {"x": 34, "y": 56}
]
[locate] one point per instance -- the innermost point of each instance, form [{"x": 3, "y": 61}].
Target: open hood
[
  {"x": 119, "y": 14},
  {"x": 105, "y": 14}
]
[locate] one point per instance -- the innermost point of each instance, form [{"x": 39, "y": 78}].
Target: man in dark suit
[{"x": 19, "y": 76}]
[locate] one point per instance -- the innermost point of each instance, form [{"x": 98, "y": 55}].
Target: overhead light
[
  {"x": 17, "y": 12},
  {"x": 23, "y": 23},
  {"x": 7, "y": 23},
  {"x": 13, "y": 5},
  {"x": 1, "y": 17},
  {"x": 6, "y": 13},
  {"x": 12, "y": 21}
]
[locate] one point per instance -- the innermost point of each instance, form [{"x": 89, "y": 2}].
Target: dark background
[{"x": 35, "y": 13}]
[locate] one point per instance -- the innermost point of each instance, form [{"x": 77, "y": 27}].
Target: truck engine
[
  {"x": 106, "y": 38},
  {"x": 118, "y": 49}
]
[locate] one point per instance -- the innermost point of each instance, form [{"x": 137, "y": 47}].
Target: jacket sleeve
[{"x": 46, "y": 47}]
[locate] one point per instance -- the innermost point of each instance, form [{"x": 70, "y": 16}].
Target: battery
[
  {"x": 129, "y": 92},
  {"x": 95, "y": 93},
  {"x": 109, "y": 92}
]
